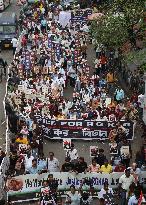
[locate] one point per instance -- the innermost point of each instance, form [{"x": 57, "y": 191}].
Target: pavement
[{"x": 8, "y": 56}]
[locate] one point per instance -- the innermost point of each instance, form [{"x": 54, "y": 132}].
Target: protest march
[{"x": 55, "y": 94}]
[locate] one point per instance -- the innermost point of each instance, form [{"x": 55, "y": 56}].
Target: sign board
[{"x": 28, "y": 186}]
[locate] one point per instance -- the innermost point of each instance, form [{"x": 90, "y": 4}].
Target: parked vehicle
[{"x": 8, "y": 28}]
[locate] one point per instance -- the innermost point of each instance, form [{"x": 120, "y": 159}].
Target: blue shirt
[
  {"x": 33, "y": 170},
  {"x": 102, "y": 83},
  {"x": 42, "y": 164},
  {"x": 119, "y": 94},
  {"x": 43, "y": 22}
]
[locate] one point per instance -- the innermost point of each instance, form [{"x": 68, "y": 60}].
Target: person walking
[
  {"x": 14, "y": 44},
  {"x": 124, "y": 184}
]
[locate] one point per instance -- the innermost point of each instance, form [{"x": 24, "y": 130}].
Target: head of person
[
  {"x": 51, "y": 155},
  {"x": 127, "y": 173},
  {"x": 101, "y": 151},
  {"x": 81, "y": 159},
  {"x": 50, "y": 177},
  {"x": 72, "y": 146},
  {"x": 21, "y": 136},
  {"x": 105, "y": 185},
  {"x": 94, "y": 162},
  {"x": 72, "y": 189},
  {"x": 134, "y": 166},
  {"x": 28, "y": 154},
  {"x": 120, "y": 165},
  {"x": 45, "y": 183},
  {"x": 41, "y": 156},
  {"x": 67, "y": 159},
  {"x": 106, "y": 163},
  {"x": 34, "y": 163}
]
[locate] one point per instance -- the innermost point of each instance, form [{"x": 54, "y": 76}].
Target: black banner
[{"x": 80, "y": 129}]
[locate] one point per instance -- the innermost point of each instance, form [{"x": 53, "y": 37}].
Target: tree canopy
[{"x": 122, "y": 21}]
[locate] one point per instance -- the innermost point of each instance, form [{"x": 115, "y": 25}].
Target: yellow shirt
[
  {"x": 110, "y": 77},
  {"x": 60, "y": 117},
  {"x": 106, "y": 170},
  {"x": 22, "y": 141}
]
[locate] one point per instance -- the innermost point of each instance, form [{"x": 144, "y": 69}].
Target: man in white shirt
[
  {"x": 72, "y": 153},
  {"x": 124, "y": 183},
  {"x": 14, "y": 44},
  {"x": 106, "y": 194},
  {"x": 52, "y": 163},
  {"x": 28, "y": 161}
]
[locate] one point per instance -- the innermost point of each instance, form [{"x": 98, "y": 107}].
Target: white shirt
[
  {"x": 75, "y": 198},
  {"x": 73, "y": 154},
  {"x": 103, "y": 192},
  {"x": 14, "y": 42},
  {"x": 53, "y": 165},
  {"x": 28, "y": 162},
  {"x": 141, "y": 101},
  {"x": 126, "y": 181}
]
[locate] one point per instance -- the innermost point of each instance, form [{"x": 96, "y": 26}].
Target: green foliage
[
  {"x": 117, "y": 25},
  {"x": 136, "y": 57},
  {"x": 110, "y": 31}
]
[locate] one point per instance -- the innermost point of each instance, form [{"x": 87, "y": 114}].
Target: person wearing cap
[
  {"x": 106, "y": 195},
  {"x": 106, "y": 168},
  {"x": 72, "y": 153},
  {"x": 124, "y": 184}
]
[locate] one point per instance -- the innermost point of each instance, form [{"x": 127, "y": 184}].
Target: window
[
  {"x": 9, "y": 29},
  {"x": 1, "y": 29}
]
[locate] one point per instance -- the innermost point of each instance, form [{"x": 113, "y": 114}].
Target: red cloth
[{"x": 121, "y": 169}]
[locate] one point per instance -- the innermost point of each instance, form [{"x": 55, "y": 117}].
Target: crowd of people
[{"x": 50, "y": 59}]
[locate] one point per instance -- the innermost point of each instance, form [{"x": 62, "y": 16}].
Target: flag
[{"x": 140, "y": 198}]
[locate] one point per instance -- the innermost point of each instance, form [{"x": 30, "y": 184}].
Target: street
[{"x": 56, "y": 146}]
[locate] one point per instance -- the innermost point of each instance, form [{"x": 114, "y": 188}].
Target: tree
[
  {"x": 110, "y": 31},
  {"x": 118, "y": 25}
]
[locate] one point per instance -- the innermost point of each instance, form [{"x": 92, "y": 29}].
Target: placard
[
  {"x": 93, "y": 151},
  {"x": 22, "y": 147},
  {"x": 66, "y": 144},
  {"x": 125, "y": 151},
  {"x": 113, "y": 148}
]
